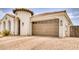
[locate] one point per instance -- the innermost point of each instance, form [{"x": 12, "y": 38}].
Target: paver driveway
[{"x": 38, "y": 43}]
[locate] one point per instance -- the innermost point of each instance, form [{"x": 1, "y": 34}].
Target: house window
[
  {"x": 4, "y": 25},
  {"x": 9, "y": 25},
  {"x": 5, "y": 17}
]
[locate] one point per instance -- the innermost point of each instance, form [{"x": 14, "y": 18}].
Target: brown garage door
[{"x": 46, "y": 28}]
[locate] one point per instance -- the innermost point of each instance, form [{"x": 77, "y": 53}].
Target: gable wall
[{"x": 11, "y": 19}]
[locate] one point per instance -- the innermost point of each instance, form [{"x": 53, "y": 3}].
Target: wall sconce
[
  {"x": 22, "y": 23},
  {"x": 61, "y": 23}
]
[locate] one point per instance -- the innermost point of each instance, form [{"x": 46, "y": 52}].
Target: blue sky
[{"x": 72, "y": 12}]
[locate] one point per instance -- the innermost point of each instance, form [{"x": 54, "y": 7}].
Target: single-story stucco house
[{"x": 24, "y": 22}]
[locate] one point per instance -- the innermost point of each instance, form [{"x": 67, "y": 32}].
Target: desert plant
[
  {"x": 0, "y": 33},
  {"x": 5, "y": 33}
]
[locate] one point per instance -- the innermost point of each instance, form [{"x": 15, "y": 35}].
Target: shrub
[
  {"x": 0, "y": 33},
  {"x": 5, "y": 33}
]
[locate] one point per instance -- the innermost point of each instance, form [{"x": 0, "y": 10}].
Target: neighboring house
[{"x": 56, "y": 24}]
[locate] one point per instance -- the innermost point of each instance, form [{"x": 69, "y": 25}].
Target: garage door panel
[{"x": 47, "y": 28}]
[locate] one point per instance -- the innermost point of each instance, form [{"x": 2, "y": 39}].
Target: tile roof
[{"x": 22, "y": 9}]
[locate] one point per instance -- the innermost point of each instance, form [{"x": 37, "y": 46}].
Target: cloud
[
  {"x": 3, "y": 11},
  {"x": 43, "y": 10},
  {"x": 74, "y": 11},
  {"x": 75, "y": 21}
]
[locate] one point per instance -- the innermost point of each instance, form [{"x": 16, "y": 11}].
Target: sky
[{"x": 72, "y": 12}]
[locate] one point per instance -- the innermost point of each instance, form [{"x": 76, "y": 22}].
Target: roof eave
[{"x": 68, "y": 18}]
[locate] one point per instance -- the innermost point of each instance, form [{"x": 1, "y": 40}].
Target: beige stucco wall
[
  {"x": 16, "y": 26},
  {"x": 24, "y": 18},
  {"x": 66, "y": 26},
  {"x": 0, "y": 27},
  {"x": 45, "y": 17}
]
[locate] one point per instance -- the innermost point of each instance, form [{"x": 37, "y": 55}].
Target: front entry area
[
  {"x": 18, "y": 27},
  {"x": 46, "y": 28}
]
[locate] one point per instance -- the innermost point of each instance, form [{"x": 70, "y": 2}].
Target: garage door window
[{"x": 34, "y": 22}]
